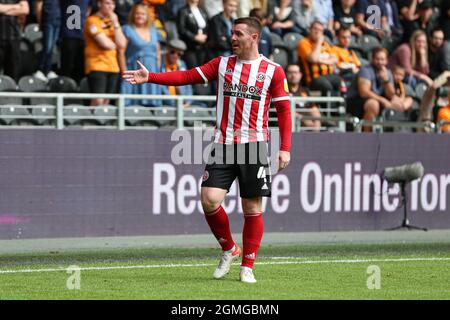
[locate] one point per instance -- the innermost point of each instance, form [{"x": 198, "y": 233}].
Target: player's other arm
[
  {"x": 281, "y": 99},
  {"x": 202, "y": 74}
]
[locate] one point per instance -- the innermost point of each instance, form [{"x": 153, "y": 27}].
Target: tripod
[{"x": 405, "y": 222}]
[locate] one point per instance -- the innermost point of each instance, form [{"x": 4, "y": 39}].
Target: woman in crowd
[
  {"x": 141, "y": 45},
  {"x": 413, "y": 56}
]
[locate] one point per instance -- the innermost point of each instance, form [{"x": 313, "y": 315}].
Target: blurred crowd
[{"x": 376, "y": 53}]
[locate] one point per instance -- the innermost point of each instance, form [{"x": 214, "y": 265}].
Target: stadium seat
[
  {"x": 280, "y": 56},
  {"x": 106, "y": 112},
  {"x": 277, "y": 41},
  {"x": 84, "y": 85},
  {"x": 368, "y": 43},
  {"x": 167, "y": 113},
  {"x": 32, "y": 32},
  {"x": 8, "y": 84},
  {"x": 420, "y": 89},
  {"x": 199, "y": 113},
  {"x": 32, "y": 84},
  {"x": 79, "y": 115},
  {"x": 291, "y": 41},
  {"x": 139, "y": 116},
  {"x": 20, "y": 113},
  {"x": 44, "y": 110},
  {"x": 62, "y": 84}
]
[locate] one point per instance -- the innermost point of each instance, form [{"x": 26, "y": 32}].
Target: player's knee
[{"x": 210, "y": 201}]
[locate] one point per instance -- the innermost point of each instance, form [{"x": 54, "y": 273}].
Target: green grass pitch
[{"x": 325, "y": 271}]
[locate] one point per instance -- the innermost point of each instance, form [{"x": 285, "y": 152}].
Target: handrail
[
  {"x": 60, "y": 97},
  {"x": 390, "y": 124}
]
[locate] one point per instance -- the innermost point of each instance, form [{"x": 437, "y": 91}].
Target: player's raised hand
[{"x": 136, "y": 76}]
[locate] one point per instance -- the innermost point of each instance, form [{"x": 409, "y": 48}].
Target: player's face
[{"x": 242, "y": 39}]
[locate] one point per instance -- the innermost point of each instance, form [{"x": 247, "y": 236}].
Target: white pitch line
[{"x": 210, "y": 264}]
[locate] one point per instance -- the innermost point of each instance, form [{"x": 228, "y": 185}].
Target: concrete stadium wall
[{"x": 80, "y": 183}]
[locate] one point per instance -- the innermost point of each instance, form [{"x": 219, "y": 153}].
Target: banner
[{"x": 76, "y": 183}]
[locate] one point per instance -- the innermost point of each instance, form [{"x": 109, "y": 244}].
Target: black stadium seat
[
  {"x": 62, "y": 84},
  {"x": 32, "y": 32},
  {"x": 106, "y": 111},
  {"x": 8, "y": 84},
  {"x": 20, "y": 113},
  {"x": 33, "y": 84},
  {"x": 139, "y": 116}
]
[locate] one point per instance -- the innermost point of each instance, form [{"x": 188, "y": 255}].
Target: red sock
[
  {"x": 252, "y": 235},
  {"x": 220, "y": 227}
]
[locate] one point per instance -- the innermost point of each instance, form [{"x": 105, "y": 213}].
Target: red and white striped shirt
[{"x": 245, "y": 90}]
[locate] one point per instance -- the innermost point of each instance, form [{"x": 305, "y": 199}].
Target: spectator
[
  {"x": 220, "y": 29},
  {"x": 414, "y": 58},
  {"x": 393, "y": 18},
  {"x": 428, "y": 99},
  {"x": 435, "y": 52},
  {"x": 444, "y": 21},
  {"x": 172, "y": 62},
  {"x": 344, "y": 16},
  {"x": 317, "y": 60},
  {"x": 407, "y": 10},
  {"x": 48, "y": 14},
  {"x": 444, "y": 115},
  {"x": 123, "y": 8},
  {"x": 72, "y": 38},
  {"x": 294, "y": 77},
  {"x": 153, "y": 14},
  {"x": 424, "y": 20},
  {"x": 373, "y": 89},
  {"x": 168, "y": 16},
  {"x": 347, "y": 60},
  {"x": 364, "y": 18},
  {"x": 192, "y": 25},
  {"x": 213, "y": 7},
  {"x": 265, "y": 43},
  {"x": 305, "y": 14},
  {"x": 326, "y": 16},
  {"x": 10, "y": 35},
  {"x": 245, "y": 6},
  {"x": 283, "y": 18},
  {"x": 398, "y": 73},
  {"x": 103, "y": 36},
  {"x": 141, "y": 44}
]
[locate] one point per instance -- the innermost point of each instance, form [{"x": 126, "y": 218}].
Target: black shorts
[
  {"x": 103, "y": 82},
  {"x": 249, "y": 162}
]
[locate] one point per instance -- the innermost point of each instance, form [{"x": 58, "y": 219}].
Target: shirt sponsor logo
[{"x": 242, "y": 91}]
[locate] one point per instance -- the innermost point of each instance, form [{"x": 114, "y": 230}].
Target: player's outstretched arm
[
  {"x": 136, "y": 76},
  {"x": 198, "y": 75}
]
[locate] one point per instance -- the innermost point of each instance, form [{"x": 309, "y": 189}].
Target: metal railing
[{"x": 333, "y": 115}]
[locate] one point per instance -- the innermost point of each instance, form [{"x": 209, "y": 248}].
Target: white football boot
[
  {"x": 225, "y": 261},
  {"x": 247, "y": 275}
]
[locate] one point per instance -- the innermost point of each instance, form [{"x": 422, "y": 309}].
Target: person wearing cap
[
  {"x": 424, "y": 20},
  {"x": 170, "y": 62},
  {"x": 143, "y": 45}
]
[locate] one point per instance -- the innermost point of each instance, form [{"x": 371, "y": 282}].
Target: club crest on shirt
[
  {"x": 260, "y": 76},
  {"x": 229, "y": 71}
]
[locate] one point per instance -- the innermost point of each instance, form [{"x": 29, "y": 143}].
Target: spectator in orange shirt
[
  {"x": 348, "y": 62},
  {"x": 444, "y": 115},
  {"x": 103, "y": 36},
  {"x": 318, "y": 60}
]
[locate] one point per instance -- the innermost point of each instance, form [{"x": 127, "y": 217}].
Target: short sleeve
[
  {"x": 209, "y": 70},
  {"x": 126, "y": 31},
  {"x": 94, "y": 26},
  {"x": 366, "y": 74},
  {"x": 279, "y": 89}
]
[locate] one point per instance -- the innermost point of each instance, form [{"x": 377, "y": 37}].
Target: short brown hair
[
  {"x": 253, "y": 23},
  {"x": 377, "y": 50}
]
